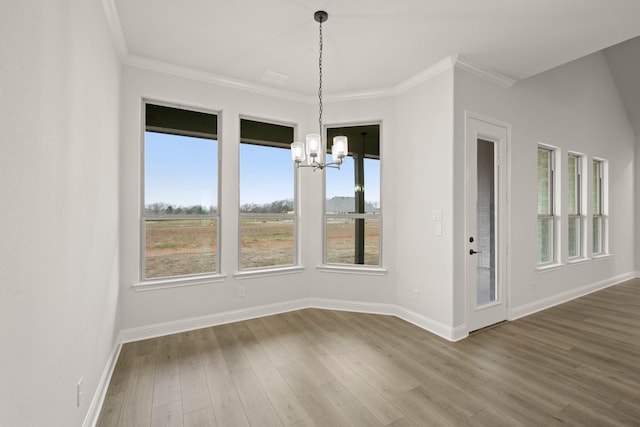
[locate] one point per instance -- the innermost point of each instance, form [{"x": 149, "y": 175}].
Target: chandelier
[{"x": 309, "y": 153}]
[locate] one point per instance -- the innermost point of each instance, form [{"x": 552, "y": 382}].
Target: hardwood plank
[
  {"x": 166, "y": 387},
  {"x": 227, "y": 407},
  {"x": 193, "y": 383},
  {"x": 137, "y": 403},
  {"x": 348, "y": 405},
  {"x": 320, "y": 409},
  {"x": 167, "y": 415},
  {"x": 231, "y": 349},
  {"x": 257, "y": 406},
  {"x": 369, "y": 397},
  {"x": 201, "y": 418},
  {"x": 110, "y": 411},
  {"x": 286, "y": 404}
]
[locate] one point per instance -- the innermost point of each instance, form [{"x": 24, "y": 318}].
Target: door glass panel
[{"x": 486, "y": 224}]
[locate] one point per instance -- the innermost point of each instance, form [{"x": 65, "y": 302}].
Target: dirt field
[{"x": 179, "y": 247}]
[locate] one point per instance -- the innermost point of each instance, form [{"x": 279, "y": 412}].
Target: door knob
[{"x": 472, "y": 252}]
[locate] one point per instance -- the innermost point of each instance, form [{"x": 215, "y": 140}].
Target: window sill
[
  {"x": 549, "y": 267},
  {"x": 178, "y": 282},
  {"x": 265, "y": 272},
  {"x": 602, "y": 257},
  {"x": 352, "y": 269}
]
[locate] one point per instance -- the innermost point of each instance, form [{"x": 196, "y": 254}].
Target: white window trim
[
  {"x": 352, "y": 268},
  {"x": 166, "y": 282},
  {"x": 555, "y": 215},
  {"x": 604, "y": 207},
  {"x": 581, "y": 204},
  {"x": 279, "y": 269}
]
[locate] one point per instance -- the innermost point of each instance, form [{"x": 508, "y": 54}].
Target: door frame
[{"x": 481, "y": 127}]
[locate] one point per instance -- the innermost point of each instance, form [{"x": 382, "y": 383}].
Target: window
[
  {"x": 267, "y": 196},
  {"x": 546, "y": 206},
  {"x": 352, "y": 210},
  {"x": 180, "y": 207},
  {"x": 574, "y": 206},
  {"x": 599, "y": 212}
]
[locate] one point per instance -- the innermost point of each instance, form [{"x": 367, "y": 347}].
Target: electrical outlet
[
  {"x": 78, "y": 392},
  {"x": 241, "y": 291},
  {"x": 415, "y": 294}
]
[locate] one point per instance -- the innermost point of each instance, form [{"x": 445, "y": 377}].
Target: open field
[{"x": 178, "y": 247}]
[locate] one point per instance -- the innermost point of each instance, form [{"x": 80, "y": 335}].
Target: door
[{"x": 486, "y": 221}]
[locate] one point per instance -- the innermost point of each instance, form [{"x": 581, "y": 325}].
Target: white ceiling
[{"x": 369, "y": 44}]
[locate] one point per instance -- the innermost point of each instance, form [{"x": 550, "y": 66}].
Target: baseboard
[
  {"x": 91, "y": 419},
  {"x": 355, "y": 306},
  {"x": 430, "y": 325},
  {"x": 189, "y": 324},
  {"x": 543, "y": 304}
]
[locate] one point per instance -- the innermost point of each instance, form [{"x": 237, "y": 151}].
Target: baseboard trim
[
  {"x": 423, "y": 322},
  {"x": 190, "y": 324},
  {"x": 91, "y": 419},
  {"x": 545, "y": 303}
]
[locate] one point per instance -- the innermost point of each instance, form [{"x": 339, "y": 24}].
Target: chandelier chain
[{"x": 320, "y": 86}]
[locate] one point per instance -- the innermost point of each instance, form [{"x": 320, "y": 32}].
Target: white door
[{"x": 486, "y": 221}]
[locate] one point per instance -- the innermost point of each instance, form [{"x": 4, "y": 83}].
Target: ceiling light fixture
[{"x": 307, "y": 154}]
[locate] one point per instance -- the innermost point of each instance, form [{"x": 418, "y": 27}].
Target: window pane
[
  {"x": 266, "y": 242},
  {"x": 266, "y": 179},
  {"x": 597, "y": 235},
  {"x": 574, "y": 237},
  {"x": 544, "y": 182},
  {"x": 354, "y": 189},
  {"x": 180, "y": 174},
  {"x": 573, "y": 208},
  {"x": 267, "y": 186},
  {"x": 596, "y": 189},
  {"x": 342, "y": 247},
  {"x": 545, "y": 240},
  {"x": 181, "y": 180},
  {"x": 179, "y": 247}
]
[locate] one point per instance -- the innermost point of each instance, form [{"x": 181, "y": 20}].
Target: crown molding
[
  {"x": 207, "y": 77},
  {"x": 113, "y": 21},
  {"x": 485, "y": 73},
  {"x": 450, "y": 62}
]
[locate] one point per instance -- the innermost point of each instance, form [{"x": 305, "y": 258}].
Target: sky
[{"x": 182, "y": 171}]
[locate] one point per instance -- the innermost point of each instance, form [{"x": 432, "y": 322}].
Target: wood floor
[{"x": 575, "y": 364}]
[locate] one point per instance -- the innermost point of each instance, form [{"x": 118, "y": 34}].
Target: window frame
[
  {"x": 294, "y": 266},
  {"x": 579, "y": 216},
  {"x": 326, "y": 266},
  {"x": 599, "y": 211},
  {"x": 553, "y": 217},
  {"x": 179, "y": 280}
]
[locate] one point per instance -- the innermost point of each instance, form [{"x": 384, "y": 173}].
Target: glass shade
[
  {"x": 297, "y": 152},
  {"x": 313, "y": 145},
  {"x": 339, "y": 149}
]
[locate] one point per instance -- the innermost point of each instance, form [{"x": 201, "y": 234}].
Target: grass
[{"x": 179, "y": 247}]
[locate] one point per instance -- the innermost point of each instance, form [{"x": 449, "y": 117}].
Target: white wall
[
  {"x": 59, "y": 132},
  {"x": 575, "y": 107},
  {"x": 141, "y": 309},
  {"x": 424, "y": 183}
]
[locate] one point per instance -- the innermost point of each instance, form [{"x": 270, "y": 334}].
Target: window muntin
[
  {"x": 546, "y": 206},
  {"x": 598, "y": 208},
  {"x": 352, "y": 203},
  {"x": 574, "y": 206},
  {"x": 180, "y": 222},
  {"x": 267, "y": 196}
]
